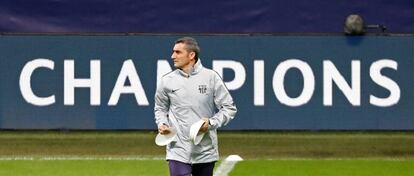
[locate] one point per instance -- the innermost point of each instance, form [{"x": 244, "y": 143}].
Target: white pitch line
[
  {"x": 9, "y": 158},
  {"x": 48, "y": 158},
  {"x": 336, "y": 159},
  {"x": 227, "y": 165}
]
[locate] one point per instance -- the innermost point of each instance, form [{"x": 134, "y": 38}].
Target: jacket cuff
[{"x": 212, "y": 124}]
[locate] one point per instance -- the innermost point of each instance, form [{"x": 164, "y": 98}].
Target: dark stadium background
[{"x": 212, "y": 16}]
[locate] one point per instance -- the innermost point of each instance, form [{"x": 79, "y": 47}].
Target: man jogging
[{"x": 184, "y": 96}]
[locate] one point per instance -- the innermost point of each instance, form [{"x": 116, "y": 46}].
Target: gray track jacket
[{"x": 181, "y": 100}]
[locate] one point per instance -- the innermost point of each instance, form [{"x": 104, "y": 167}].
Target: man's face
[{"x": 181, "y": 56}]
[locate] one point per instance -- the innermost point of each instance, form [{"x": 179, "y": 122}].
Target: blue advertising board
[{"x": 277, "y": 82}]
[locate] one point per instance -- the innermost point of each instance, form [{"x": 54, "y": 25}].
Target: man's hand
[
  {"x": 204, "y": 127},
  {"x": 164, "y": 129}
]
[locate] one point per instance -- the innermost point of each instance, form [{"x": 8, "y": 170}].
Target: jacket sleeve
[
  {"x": 224, "y": 103},
  {"x": 162, "y": 104}
]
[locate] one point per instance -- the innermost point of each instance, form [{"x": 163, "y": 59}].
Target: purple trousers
[{"x": 178, "y": 168}]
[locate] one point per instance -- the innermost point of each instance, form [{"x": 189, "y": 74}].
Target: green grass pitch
[
  {"x": 317, "y": 167},
  {"x": 83, "y": 167},
  {"x": 265, "y": 153}
]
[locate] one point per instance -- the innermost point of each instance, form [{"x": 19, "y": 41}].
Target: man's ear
[{"x": 192, "y": 55}]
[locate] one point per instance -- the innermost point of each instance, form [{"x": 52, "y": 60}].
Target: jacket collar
[{"x": 196, "y": 69}]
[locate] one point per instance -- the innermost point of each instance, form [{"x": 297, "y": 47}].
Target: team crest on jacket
[{"x": 202, "y": 89}]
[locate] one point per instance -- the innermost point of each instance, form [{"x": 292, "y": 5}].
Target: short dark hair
[{"x": 190, "y": 44}]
